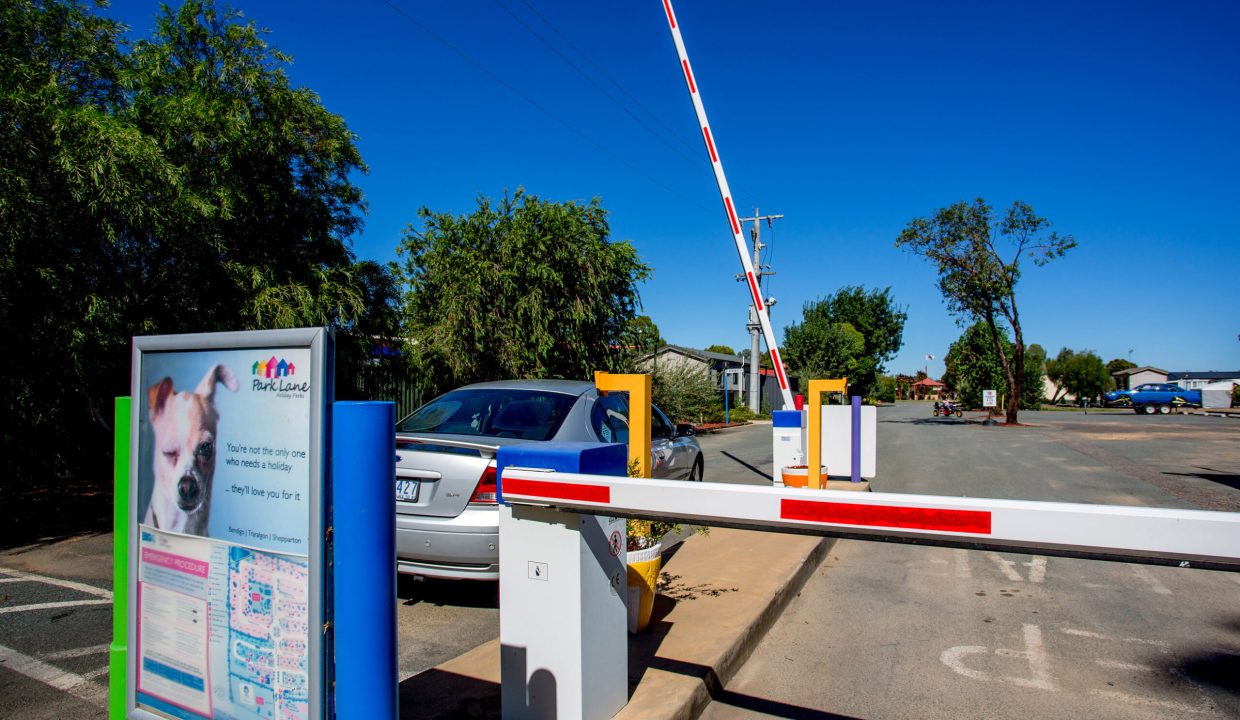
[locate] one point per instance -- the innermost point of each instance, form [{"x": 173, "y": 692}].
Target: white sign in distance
[{"x": 990, "y": 398}]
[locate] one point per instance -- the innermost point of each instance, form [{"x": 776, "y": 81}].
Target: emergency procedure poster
[{"x": 226, "y": 468}]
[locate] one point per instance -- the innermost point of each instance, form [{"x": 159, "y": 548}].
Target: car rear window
[{"x": 524, "y": 414}]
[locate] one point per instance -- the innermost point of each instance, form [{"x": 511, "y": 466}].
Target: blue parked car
[{"x": 1153, "y": 398}]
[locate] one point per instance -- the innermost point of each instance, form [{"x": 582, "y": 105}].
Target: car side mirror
[{"x": 685, "y": 430}]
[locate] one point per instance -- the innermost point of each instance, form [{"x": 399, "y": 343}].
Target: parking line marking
[
  {"x": 52, "y": 605},
  {"x": 1006, "y": 567},
  {"x": 1099, "y": 636},
  {"x": 75, "y": 653},
  {"x": 1144, "y": 573},
  {"x": 962, "y": 564},
  {"x": 18, "y": 575},
  {"x": 96, "y": 673},
  {"x": 72, "y": 683},
  {"x": 1037, "y": 569}
]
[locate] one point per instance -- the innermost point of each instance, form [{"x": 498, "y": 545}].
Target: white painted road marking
[
  {"x": 962, "y": 564},
  {"x": 1037, "y": 568},
  {"x": 19, "y": 576},
  {"x": 72, "y": 683},
  {"x": 52, "y": 605},
  {"x": 74, "y": 653},
  {"x": 1040, "y": 671},
  {"x": 1145, "y": 574},
  {"x": 1165, "y": 646},
  {"x": 1034, "y": 653}
]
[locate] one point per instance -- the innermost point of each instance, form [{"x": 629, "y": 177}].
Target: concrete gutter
[{"x": 718, "y": 596}]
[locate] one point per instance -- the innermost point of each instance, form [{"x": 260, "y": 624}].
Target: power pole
[{"x": 754, "y": 325}]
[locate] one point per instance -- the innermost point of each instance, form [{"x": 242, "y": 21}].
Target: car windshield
[{"x": 492, "y": 412}]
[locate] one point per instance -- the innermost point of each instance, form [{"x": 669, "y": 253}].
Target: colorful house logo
[{"x": 272, "y": 368}]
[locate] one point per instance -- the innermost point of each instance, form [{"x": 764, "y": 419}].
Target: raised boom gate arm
[{"x": 725, "y": 193}]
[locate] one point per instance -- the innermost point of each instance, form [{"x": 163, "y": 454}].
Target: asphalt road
[
  {"x": 55, "y": 626},
  {"x": 55, "y": 608},
  {"x": 898, "y": 631},
  {"x": 880, "y": 631}
]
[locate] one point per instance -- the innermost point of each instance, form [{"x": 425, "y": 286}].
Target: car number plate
[{"x": 407, "y": 490}]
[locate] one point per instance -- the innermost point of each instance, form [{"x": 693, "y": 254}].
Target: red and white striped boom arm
[
  {"x": 730, "y": 207},
  {"x": 1159, "y": 536}
]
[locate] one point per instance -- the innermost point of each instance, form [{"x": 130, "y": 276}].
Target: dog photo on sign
[{"x": 184, "y": 427}]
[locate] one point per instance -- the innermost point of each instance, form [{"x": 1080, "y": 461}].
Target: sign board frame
[
  {"x": 198, "y": 350},
  {"x": 990, "y": 398}
]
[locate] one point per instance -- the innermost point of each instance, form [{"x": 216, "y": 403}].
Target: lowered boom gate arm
[{"x": 1155, "y": 536}]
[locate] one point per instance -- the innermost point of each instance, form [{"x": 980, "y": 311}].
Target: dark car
[{"x": 447, "y": 525}]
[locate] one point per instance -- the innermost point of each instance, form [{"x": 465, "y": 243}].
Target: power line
[
  {"x": 696, "y": 161},
  {"x": 539, "y": 107},
  {"x": 692, "y": 148}
]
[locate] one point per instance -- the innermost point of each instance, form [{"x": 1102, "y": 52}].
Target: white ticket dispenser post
[
  {"x": 788, "y": 437},
  {"x": 563, "y": 623}
]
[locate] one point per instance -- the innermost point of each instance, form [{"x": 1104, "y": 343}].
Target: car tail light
[{"x": 484, "y": 494}]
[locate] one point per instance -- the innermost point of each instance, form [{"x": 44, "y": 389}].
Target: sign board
[
  {"x": 734, "y": 379},
  {"x": 990, "y": 398},
  {"x": 226, "y": 571}
]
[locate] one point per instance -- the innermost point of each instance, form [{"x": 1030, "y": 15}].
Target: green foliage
[
  {"x": 979, "y": 284},
  {"x": 973, "y": 365},
  {"x": 851, "y": 334},
  {"x": 684, "y": 392},
  {"x": 1031, "y": 397},
  {"x": 1235, "y": 396},
  {"x": 641, "y": 336},
  {"x": 1081, "y": 374},
  {"x": 739, "y": 413},
  {"x": 722, "y": 349},
  {"x": 519, "y": 288},
  {"x": 764, "y": 360},
  {"x": 182, "y": 187},
  {"x": 1115, "y": 366},
  {"x": 886, "y": 391}
]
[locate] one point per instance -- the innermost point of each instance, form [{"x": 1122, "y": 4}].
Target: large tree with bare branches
[{"x": 978, "y": 257}]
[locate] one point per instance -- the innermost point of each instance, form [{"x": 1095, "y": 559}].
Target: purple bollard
[{"x": 856, "y": 439}]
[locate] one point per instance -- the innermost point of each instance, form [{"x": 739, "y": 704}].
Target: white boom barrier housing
[
  {"x": 562, "y": 587},
  {"x": 1160, "y": 536}
]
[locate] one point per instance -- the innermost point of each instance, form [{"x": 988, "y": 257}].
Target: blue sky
[{"x": 1115, "y": 120}]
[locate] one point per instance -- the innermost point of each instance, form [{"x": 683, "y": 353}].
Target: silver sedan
[{"x": 447, "y": 525}]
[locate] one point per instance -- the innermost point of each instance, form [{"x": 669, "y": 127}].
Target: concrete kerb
[{"x": 719, "y": 594}]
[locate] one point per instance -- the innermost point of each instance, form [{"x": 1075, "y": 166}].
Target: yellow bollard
[
  {"x": 814, "y": 431},
  {"x": 638, "y": 388}
]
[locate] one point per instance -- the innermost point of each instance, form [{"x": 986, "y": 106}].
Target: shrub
[{"x": 684, "y": 392}]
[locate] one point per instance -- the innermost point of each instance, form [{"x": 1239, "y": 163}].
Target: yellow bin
[{"x": 643, "y": 572}]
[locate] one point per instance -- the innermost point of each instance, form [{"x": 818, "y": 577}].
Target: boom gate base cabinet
[
  {"x": 563, "y": 626},
  {"x": 563, "y": 632}
]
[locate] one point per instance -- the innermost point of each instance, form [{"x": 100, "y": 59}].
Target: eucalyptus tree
[{"x": 978, "y": 257}]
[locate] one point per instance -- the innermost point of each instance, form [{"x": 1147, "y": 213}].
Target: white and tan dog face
[{"x": 184, "y": 426}]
